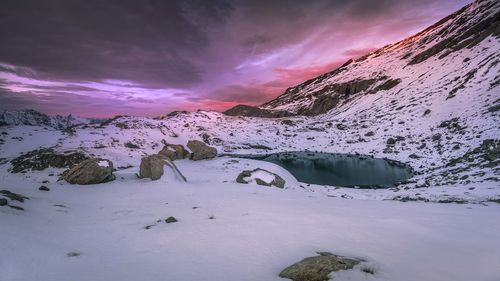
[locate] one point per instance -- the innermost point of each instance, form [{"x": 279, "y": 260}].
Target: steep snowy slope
[{"x": 456, "y": 57}]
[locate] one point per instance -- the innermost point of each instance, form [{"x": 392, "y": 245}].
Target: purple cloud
[{"x": 129, "y": 55}]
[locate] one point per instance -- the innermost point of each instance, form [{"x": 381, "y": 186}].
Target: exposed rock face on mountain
[
  {"x": 251, "y": 111},
  {"x": 90, "y": 171},
  {"x": 456, "y": 56},
  {"x": 35, "y": 118}
]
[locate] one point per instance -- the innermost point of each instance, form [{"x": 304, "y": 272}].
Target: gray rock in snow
[
  {"x": 171, "y": 220},
  {"x": 245, "y": 177},
  {"x": 317, "y": 268},
  {"x": 200, "y": 150},
  {"x": 174, "y": 151},
  {"x": 391, "y": 141},
  {"x": 91, "y": 171},
  {"x": 151, "y": 167}
]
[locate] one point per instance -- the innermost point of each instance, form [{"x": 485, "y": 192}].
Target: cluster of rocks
[
  {"x": 84, "y": 170},
  {"x": 486, "y": 155},
  {"x": 43, "y": 158},
  {"x": 471, "y": 167},
  {"x": 152, "y": 165}
]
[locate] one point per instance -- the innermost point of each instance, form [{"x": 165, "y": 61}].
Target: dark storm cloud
[
  {"x": 135, "y": 55},
  {"x": 154, "y": 42},
  {"x": 238, "y": 94}
]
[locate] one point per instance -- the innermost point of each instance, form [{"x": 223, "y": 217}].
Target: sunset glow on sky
[{"x": 147, "y": 58}]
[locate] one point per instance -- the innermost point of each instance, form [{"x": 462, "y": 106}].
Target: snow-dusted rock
[
  {"x": 317, "y": 268},
  {"x": 200, "y": 150},
  {"x": 151, "y": 167},
  {"x": 174, "y": 151},
  {"x": 90, "y": 171},
  {"x": 261, "y": 177}
]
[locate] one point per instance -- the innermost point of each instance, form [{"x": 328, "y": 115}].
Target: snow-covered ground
[
  {"x": 442, "y": 118},
  {"x": 225, "y": 230},
  {"x": 246, "y": 135},
  {"x": 230, "y": 231}
]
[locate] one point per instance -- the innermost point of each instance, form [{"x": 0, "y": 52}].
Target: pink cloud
[
  {"x": 356, "y": 53},
  {"x": 293, "y": 76}
]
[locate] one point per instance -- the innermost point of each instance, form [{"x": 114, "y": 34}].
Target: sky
[{"x": 95, "y": 58}]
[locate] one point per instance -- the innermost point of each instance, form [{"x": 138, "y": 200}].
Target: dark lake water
[{"x": 340, "y": 169}]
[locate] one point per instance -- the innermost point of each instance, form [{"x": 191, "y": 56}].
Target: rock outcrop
[
  {"x": 151, "y": 167},
  {"x": 200, "y": 150},
  {"x": 43, "y": 158},
  {"x": 7, "y": 198},
  {"x": 90, "y": 171},
  {"x": 317, "y": 268},
  {"x": 401, "y": 69},
  {"x": 251, "y": 111},
  {"x": 261, "y": 177}
]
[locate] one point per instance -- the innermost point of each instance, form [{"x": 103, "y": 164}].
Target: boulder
[
  {"x": 391, "y": 141},
  {"x": 174, "y": 151},
  {"x": 317, "y": 268},
  {"x": 200, "y": 150},
  {"x": 90, "y": 171},
  {"x": 171, "y": 220},
  {"x": 261, "y": 177},
  {"x": 151, "y": 167},
  {"x": 436, "y": 137}
]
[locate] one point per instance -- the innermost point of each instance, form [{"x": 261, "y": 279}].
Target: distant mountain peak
[{"x": 32, "y": 117}]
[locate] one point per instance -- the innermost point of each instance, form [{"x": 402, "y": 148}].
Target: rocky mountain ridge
[
  {"x": 35, "y": 118},
  {"x": 456, "y": 56}
]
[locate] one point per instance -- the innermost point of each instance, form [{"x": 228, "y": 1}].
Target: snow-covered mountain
[
  {"x": 454, "y": 59},
  {"x": 35, "y": 118}
]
